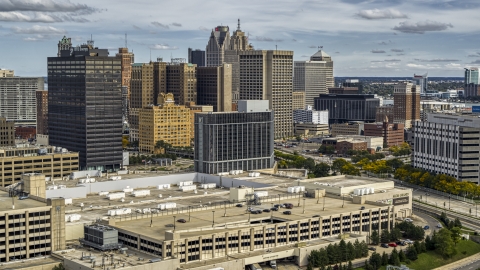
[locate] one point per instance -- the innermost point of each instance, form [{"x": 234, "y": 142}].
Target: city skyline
[{"x": 364, "y": 38}]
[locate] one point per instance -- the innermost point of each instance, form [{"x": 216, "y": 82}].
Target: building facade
[
  {"x": 6, "y": 73},
  {"x": 18, "y": 100},
  {"x": 298, "y": 100},
  {"x": 406, "y": 104},
  {"x": 194, "y": 108},
  {"x": 344, "y": 90},
  {"x": 309, "y": 115},
  {"x": 384, "y": 111},
  {"x": 196, "y": 57},
  {"x": 85, "y": 106},
  {"x": 267, "y": 75},
  {"x": 310, "y": 129},
  {"x": 217, "y": 44},
  {"x": 166, "y": 122},
  {"x": 345, "y": 108},
  {"x": 234, "y": 140},
  {"x": 314, "y": 77},
  {"x": 182, "y": 82},
  {"x": 422, "y": 83},
  {"x": 7, "y": 132},
  {"x": 471, "y": 76},
  {"x": 392, "y": 134},
  {"x": 42, "y": 112},
  {"x": 214, "y": 87},
  {"x": 351, "y": 128},
  {"x": 448, "y": 144}
]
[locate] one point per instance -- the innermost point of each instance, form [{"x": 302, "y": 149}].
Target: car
[
  {"x": 426, "y": 227},
  {"x": 266, "y": 210},
  {"x": 408, "y": 220},
  {"x": 288, "y": 205},
  {"x": 315, "y": 216},
  {"x": 439, "y": 226},
  {"x": 408, "y": 241},
  {"x": 274, "y": 209},
  {"x": 239, "y": 205},
  {"x": 362, "y": 208},
  {"x": 392, "y": 244},
  {"x": 23, "y": 197},
  {"x": 384, "y": 245},
  {"x": 287, "y": 212},
  {"x": 181, "y": 220},
  {"x": 372, "y": 249}
]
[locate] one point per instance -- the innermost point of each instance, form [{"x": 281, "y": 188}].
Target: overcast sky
[{"x": 364, "y": 37}]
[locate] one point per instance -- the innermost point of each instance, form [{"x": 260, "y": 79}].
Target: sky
[{"x": 366, "y": 38}]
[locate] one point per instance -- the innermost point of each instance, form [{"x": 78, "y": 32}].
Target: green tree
[
  {"x": 395, "y": 234},
  {"x": 412, "y": 254},
  {"x": 455, "y": 235},
  {"x": 59, "y": 267},
  {"x": 401, "y": 256},
  {"x": 375, "y": 238},
  {"x": 444, "y": 244},
  {"x": 349, "y": 169},
  {"x": 350, "y": 251},
  {"x": 458, "y": 223},
  {"x": 375, "y": 261},
  {"x": 394, "y": 163},
  {"x": 358, "y": 249},
  {"x": 342, "y": 250},
  {"x": 309, "y": 267},
  {"x": 321, "y": 169},
  {"x": 385, "y": 236},
  {"x": 338, "y": 164},
  {"x": 298, "y": 138},
  {"x": 350, "y": 266},
  {"x": 394, "y": 257},
  {"x": 384, "y": 258}
]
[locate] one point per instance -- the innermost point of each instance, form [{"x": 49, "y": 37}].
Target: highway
[{"x": 468, "y": 222}]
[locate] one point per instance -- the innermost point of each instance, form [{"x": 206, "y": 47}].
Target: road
[{"x": 432, "y": 222}]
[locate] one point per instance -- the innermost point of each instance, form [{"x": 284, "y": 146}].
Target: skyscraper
[
  {"x": 314, "y": 77},
  {"x": 182, "y": 82},
  {"x": 217, "y": 44},
  {"x": 422, "y": 82},
  {"x": 42, "y": 112},
  {"x": 64, "y": 45},
  {"x": 196, "y": 57},
  {"x": 127, "y": 61},
  {"x": 267, "y": 75},
  {"x": 85, "y": 105},
  {"x": 406, "y": 103},
  {"x": 214, "y": 87},
  {"x": 471, "y": 75}
]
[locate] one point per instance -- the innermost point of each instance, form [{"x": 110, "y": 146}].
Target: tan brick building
[
  {"x": 194, "y": 108},
  {"x": 298, "y": 100},
  {"x": 406, "y": 100},
  {"x": 392, "y": 134},
  {"x": 384, "y": 111},
  {"x": 346, "y": 129}
]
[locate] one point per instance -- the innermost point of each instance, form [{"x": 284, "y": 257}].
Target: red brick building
[
  {"x": 392, "y": 134},
  {"x": 25, "y": 133}
]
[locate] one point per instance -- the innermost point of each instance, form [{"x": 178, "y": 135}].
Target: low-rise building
[
  {"x": 343, "y": 145},
  {"x": 310, "y": 129},
  {"x": 392, "y": 134},
  {"x": 309, "y": 115},
  {"x": 375, "y": 143},
  {"x": 351, "y": 128}
]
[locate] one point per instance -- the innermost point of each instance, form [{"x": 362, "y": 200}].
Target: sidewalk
[{"x": 460, "y": 263}]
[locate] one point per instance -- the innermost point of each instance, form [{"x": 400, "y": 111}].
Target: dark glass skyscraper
[{"x": 85, "y": 105}]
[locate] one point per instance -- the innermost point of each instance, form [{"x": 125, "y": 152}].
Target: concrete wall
[
  {"x": 48, "y": 266},
  {"x": 226, "y": 181},
  {"x": 169, "y": 264},
  {"x": 270, "y": 256},
  {"x": 73, "y": 231},
  {"x": 229, "y": 265}
]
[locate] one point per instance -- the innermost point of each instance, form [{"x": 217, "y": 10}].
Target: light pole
[
  {"x": 271, "y": 215},
  {"x": 318, "y": 198},
  {"x": 303, "y": 205},
  {"x": 343, "y": 200},
  {"x": 426, "y": 197},
  {"x": 279, "y": 198},
  {"x": 174, "y": 223},
  {"x": 449, "y": 197},
  {"x": 189, "y": 212},
  {"x": 213, "y": 219},
  {"x": 324, "y": 202},
  {"x": 225, "y": 213}
]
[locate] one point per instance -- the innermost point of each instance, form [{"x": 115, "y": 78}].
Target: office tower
[
  {"x": 6, "y": 73},
  {"x": 250, "y": 147},
  {"x": 214, "y": 87},
  {"x": 166, "y": 122},
  {"x": 353, "y": 83},
  {"x": 298, "y": 100},
  {"x": 85, "y": 106},
  {"x": 196, "y": 57},
  {"x": 65, "y": 44},
  {"x": 392, "y": 134},
  {"x": 406, "y": 103},
  {"x": 7, "y": 132},
  {"x": 346, "y": 108},
  {"x": 17, "y": 99},
  {"x": 314, "y": 77},
  {"x": 448, "y": 144},
  {"x": 182, "y": 82},
  {"x": 422, "y": 82},
  {"x": 309, "y": 115},
  {"x": 384, "y": 111},
  {"x": 217, "y": 44},
  {"x": 42, "y": 112},
  {"x": 127, "y": 59},
  {"x": 267, "y": 75},
  {"x": 194, "y": 108},
  {"x": 471, "y": 75}
]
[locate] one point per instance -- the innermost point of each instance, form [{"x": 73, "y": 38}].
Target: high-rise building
[
  {"x": 182, "y": 82},
  {"x": 298, "y": 100},
  {"x": 6, "y": 73},
  {"x": 422, "y": 82},
  {"x": 217, "y": 44},
  {"x": 406, "y": 103},
  {"x": 17, "y": 99},
  {"x": 65, "y": 44},
  {"x": 384, "y": 111},
  {"x": 196, "y": 57},
  {"x": 314, "y": 77},
  {"x": 448, "y": 144},
  {"x": 346, "y": 108},
  {"x": 250, "y": 147},
  {"x": 309, "y": 115},
  {"x": 127, "y": 59},
  {"x": 194, "y": 108},
  {"x": 214, "y": 87},
  {"x": 471, "y": 75},
  {"x": 267, "y": 75},
  {"x": 85, "y": 105},
  {"x": 42, "y": 112},
  {"x": 7, "y": 132},
  {"x": 166, "y": 122}
]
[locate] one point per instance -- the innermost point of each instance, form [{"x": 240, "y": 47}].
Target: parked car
[
  {"x": 384, "y": 245},
  {"x": 439, "y": 226},
  {"x": 426, "y": 227},
  {"x": 315, "y": 216},
  {"x": 392, "y": 244},
  {"x": 362, "y": 208},
  {"x": 181, "y": 220},
  {"x": 408, "y": 220},
  {"x": 408, "y": 241},
  {"x": 372, "y": 249},
  {"x": 274, "y": 209},
  {"x": 288, "y": 205},
  {"x": 239, "y": 205},
  {"x": 287, "y": 212},
  {"x": 266, "y": 210}
]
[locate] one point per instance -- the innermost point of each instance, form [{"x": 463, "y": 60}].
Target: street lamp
[
  {"x": 189, "y": 212},
  {"x": 225, "y": 213},
  {"x": 271, "y": 215},
  {"x": 343, "y": 200},
  {"x": 303, "y": 205},
  {"x": 426, "y": 197},
  {"x": 323, "y": 202},
  {"x": 279, "y": 198},
  {"x": 213, "y": 220},
  {"x": 449, "y": 197},
  {"x": 174, "y": 220}
]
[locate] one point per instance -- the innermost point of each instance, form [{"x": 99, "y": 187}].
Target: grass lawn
[{"x": 431, "y": 260}]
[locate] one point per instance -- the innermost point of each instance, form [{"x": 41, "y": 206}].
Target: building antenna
[
  {"x": 320, "y": 48},
  {"x": 238, "y": 26},
  {"x": 150, "y": 54},
  {"x": 275, "y": 47},
  {"x": 126, "y": 40}
]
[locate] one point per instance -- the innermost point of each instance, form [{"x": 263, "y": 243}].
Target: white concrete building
[{"x": 309, "y": 115}]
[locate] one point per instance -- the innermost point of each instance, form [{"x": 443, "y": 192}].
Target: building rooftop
[{"x": 6, "y": 202}]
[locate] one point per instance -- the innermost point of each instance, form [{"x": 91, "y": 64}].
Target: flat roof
[
  {"x": 344, "y": 181},
  {"x": 6, "y": 203}
]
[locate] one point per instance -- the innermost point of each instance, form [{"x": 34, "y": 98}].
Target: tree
[
  {"x": 455, "y": 235},
  {"x": 349, "y": 169},
  {"x": 342, "y": 251},
  {"x": 321, "y": 169},
  {"x": 429, "y": 243},
  {"x": 338, "y": 164},
  {"x": 358, "y": 249},
  {"x": 59, "y": 267},
  {"x": 384, "y": 258},
  {"x": 350, "y": 266},
  {"x": 401, "y": 256},
  {"x": 394, "y": 258},
  {"x": 412, "y": 254},
  {"x": 124, "y": 141},
  {"x": 457, "y": 223},
  {"x": 444, "y": 244},
  {"x": 350, "y": 252},
  {"x": 395, "y": 234},
  {"x": 162, "y": 145},
  {"x": 375, "y": 261},
  {"x": 385, "y": 236},
  {"x": 309, "y": 267},
  {"x": 394, "y": 163},
  {"x": 375, "y": 238},
  {"x": 298, "y": 138}
]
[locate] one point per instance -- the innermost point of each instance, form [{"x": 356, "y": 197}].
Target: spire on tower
[{"x": 238, "y": 26}]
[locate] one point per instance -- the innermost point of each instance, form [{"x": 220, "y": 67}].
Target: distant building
[
  {"x": 351, "y": 128},
  {"x": 217, "y": 44},
  {"x": 314, "y": 77},
  {"x": 392, "y": 134},
  {"x": 6, "y": 73},
  {"x": 127, "y": 59},
  {"x": 384, "y": 111},
  {"x": 194, "y": 108},
  {"x": 25, "y": 132},
  {"x": 214, "y": 87},
  {"x": 308, "y": 115},
  {"x": 406, "y": 103},
  {"x": 196, "y": 57},
  {"x": 166, "y": 122},
  {"x": 353, "y": 83},
  {"x": 65, "y": 44},
  {"x": 260, "y": 75},
  {"x": 344, "y": 90},
  {"x": 346, "y": 108},
  {"x": 310, "y": 129},
  {"x": 298, "y": 100},
  {"x": 374, "y": 143},
  {"x": 249, "y": 148},
  {"x": 7, "y": 134},
  {"x": 42, "y": 112},
  {"x": 448, "y": 144},
  {"x": 422, "y": 82},
  {"x": 18, "y": 100},
  {"x": 182, "y": 82},
  {"x": 471, "y": 76},
  {"x": 343, "y": 145}
]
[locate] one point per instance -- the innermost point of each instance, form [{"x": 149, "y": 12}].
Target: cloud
[
  {"x": 45, "y": 6},
  {"x": 160, "y": 25},
  {"x": 266, "y": 39},
  {"x": 312, "y": 47},
  {"x": 37, "y": 29},
  {"x": 39, "y": 17},
  {"x": 422, "y": 27},
  {"x": 384, "y": 42},
  {"x": 176, "y": 24},
  {"x": 396, "y": 50},
  {"x": 305, "y": 56},
  {"x": 294, "y": 40},
  {"x": 436, "y": 60},
  {"x": 476, "y": 62},
  {"x": 35, "y": 38},
  {"x": 203, "y": 28},
  {"x": 386, "y": 60},
  {"x": 163, "y": 47},
  {"x": 136, "y": 27},
  {"x": 378, "y": 14},
  {"x": 337, "y": 52},
  {"x": 400, "y": 54},
  {"x": 377, "y": 51},
  {"x": 477, "y": 54}
]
